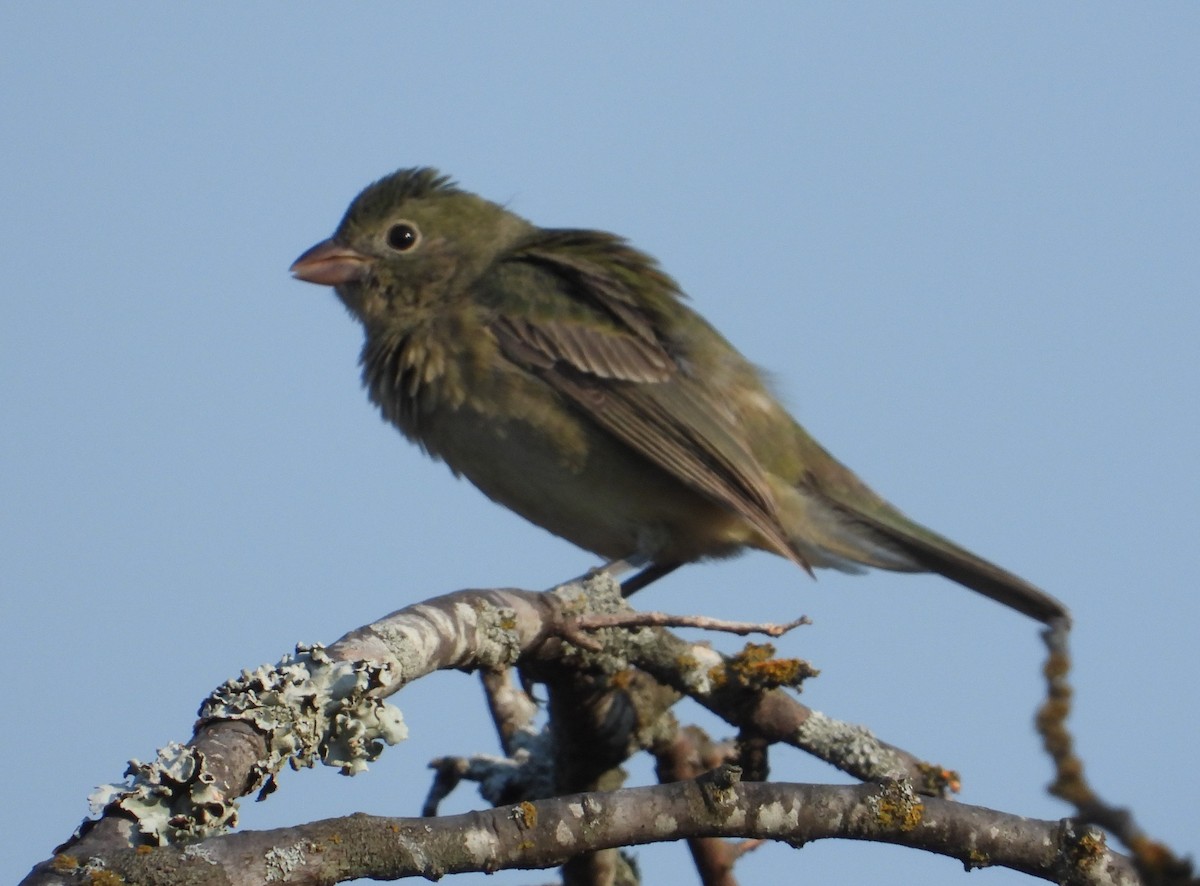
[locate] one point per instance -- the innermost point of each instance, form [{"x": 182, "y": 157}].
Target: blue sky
[{"x": 963, "y": 237}]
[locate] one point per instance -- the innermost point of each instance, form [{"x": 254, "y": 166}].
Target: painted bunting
[{"x": 561, "y": 372}]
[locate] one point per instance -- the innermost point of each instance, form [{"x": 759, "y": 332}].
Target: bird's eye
[{"x": 403, "y": 236}]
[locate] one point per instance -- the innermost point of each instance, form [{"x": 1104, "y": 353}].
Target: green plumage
[{"x": 563, "y": 374}]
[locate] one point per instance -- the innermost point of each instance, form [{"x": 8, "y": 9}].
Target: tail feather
[
  {"x": 837, "y": 520},
  {"x": 849, "y": 527},
  {"x": 937, "y": 554}
]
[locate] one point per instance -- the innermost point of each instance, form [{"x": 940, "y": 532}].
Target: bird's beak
[{"x": 330, "y": 264}]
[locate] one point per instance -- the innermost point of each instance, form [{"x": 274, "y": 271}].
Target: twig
[
  {"x": 1155, "y": 862},
  {"x": 449, "y": 772},
  {"x": 513, "y": 709},
  {"x": 573, "y": 629},
  {"x": 745, "y": 847}
]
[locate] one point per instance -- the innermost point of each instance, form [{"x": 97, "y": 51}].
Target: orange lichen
[
  {"x": 936, "y": 780},
  {"x": 64, "y": 863},
  {"x": 525, "y": 815},
  {"x": 976, "y": 859},
  {"x": 104, "y": 878},
  {"x": 1085, "y": 849},
  {"x": 756, "y": 668},
  {"x": 897, "y": 807},
  {"x": 622, "y": 679}
]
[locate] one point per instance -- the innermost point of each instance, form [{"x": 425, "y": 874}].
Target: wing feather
[{"x": 609, "y": 361}]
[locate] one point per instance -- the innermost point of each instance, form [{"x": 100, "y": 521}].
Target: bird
[{"x": 564, "y": 374}]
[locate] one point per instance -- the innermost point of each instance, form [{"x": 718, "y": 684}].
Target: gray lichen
[
  {"x": 852, "y": 747},
  {"x": 313, "y": 708},
  {"x": 172, "y": 797},
  {"x": 601, "y": 594},
  {"x": 309, "y": 707},
  {"x": 498, "y": 644},
  {"x": 281, "y": 861}
]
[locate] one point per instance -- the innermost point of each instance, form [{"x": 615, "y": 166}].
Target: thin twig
[
  {"x": 572, "y": 629},
  {"x": 744, "y": 847},
  {"x": 450, "y": 771},
  {"x": 1154, "y": 860},
  {"x": 513, "y": 709}
]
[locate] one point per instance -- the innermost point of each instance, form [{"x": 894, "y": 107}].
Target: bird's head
[{"x": 407, "y": 242}]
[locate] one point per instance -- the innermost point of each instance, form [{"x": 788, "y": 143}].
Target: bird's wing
[{"x": 573, "y": 317}]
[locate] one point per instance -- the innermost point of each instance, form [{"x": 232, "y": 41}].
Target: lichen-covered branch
[
  {"x": 544, "y": 833},
  {"x": 319, "y": 704},
  {"x": 610, "y": 697},
  {"x": 742, "y": 690}
]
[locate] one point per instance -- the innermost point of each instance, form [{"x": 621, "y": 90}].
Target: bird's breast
[
  {"x": 526, "y": 449},
  {"x": 448, "y": 388}
]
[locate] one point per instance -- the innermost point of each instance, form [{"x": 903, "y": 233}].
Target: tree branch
[
  {"x": 328, "y": 705},
  {"x": 548, "y": 832},
  {"x": 689, "y": 754}
]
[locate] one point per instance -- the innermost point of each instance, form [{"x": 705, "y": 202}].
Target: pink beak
[{"x": 330, "y": 264}]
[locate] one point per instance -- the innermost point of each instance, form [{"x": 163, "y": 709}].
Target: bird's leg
[
  {"x": 650, "y": 572},
  {"x": 617, "y": 568},
  {"x": 648, "y": 575}
]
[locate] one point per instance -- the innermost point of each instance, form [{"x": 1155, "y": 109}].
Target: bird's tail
[
  {"x": 838, "y": 521},
  {"x": 931, "y": 552}
]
